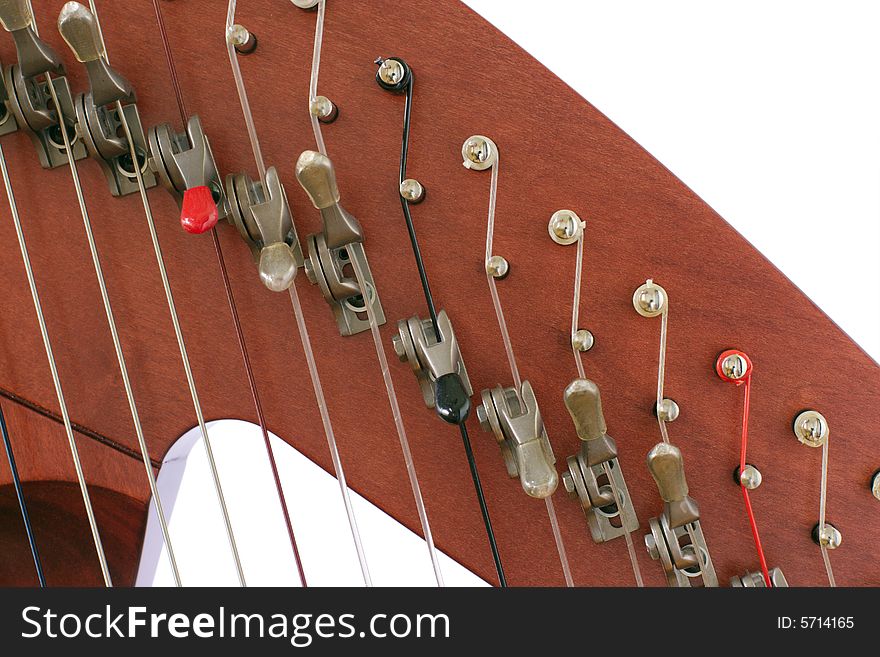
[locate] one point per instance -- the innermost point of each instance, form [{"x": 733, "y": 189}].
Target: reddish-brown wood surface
[{"x": 642, "y": 222}]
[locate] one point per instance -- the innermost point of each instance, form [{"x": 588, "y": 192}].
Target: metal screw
[
  {"x": 750, "y": 477},
  {"x": 875, "y": 485},
  {"x": 412, "y": 190},
  {"x": 497, "y": 266},
  {"x": 399, "y": 348},
  {"x": 668, "y": 410},
  {"x": 582, "y": 340}
]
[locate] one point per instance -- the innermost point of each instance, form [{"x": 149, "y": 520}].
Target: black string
[
  {"x": 429, "y": 300},
  {"x": 16, "y": 482},
  {"x": 484, "y": 509},
  {"x": 404, "y": 151}
]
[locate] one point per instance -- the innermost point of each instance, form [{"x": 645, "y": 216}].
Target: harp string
[
  {"x": 575, "y": 323},
  {"x": 432, "y": 311},
  {"x": 511, "y": 358},
  {"x": 296, "y": 304},
  {"x": 239, "y": 332},
  {"x": 390, "y": 392},
  {"x": 56, "y": 381},
  {"x": 22, "y": 503}
]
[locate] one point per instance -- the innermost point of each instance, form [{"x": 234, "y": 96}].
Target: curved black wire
[
  {"x": 16, "y": 482},
  {"x": 417, "y": 252},
  {"x": 429, "y": 300}
]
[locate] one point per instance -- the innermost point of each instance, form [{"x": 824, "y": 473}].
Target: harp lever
[
  {"x": 35, "y": 56},
  {"x": 185, "y": 166},
  {"x": 79, "y": 28},
  {"x": 331, "y": 251},
  {"x": 676, "y": 539},
  {"x": 594, "y": 475},
  {"x": 29, "y": 96},
  {"x": 513, "y": 416},
  {"x": 437, "y": 363},
  {"x": 98, "y": 111},
  {"x": 262, "y": 215}
]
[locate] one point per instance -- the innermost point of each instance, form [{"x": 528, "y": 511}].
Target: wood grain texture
[{"x": 642, "y": 222}]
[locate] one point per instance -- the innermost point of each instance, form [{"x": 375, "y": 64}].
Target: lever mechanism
[
  {"x": 594, "y": 473},
  {"x": 262, "y": 215},
  {"x": 516, "y": 421},
  {"x": 676, "y": 539},
  {"x": 97, "y": 111},
  {"x": 437, "y": 363},
  {"x": 756, "y": 580},
  {"x": 335, "y": 248},
  {"x": 185, "y": 166},
  {"x": 30, "y": 99}
]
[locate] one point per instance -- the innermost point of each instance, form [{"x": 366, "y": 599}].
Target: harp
[{"x": 541, "y": 257}]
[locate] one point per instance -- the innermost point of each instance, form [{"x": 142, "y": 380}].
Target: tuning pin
[
  {"x": 262, "y": 215},
  {"x": 516, "y": 421},
  {"x": 79, "y": 27},
  {"x": 35, "y": 56},
  {"x": 394, "y": 74},
  {"x": 479, "y": 153},
  {"x": 306, "y": 4},
  {"x": 594, "y": 474},
  {"x": 733, "y": 366},
  {"x": 185, "y": 166},
  {"x": 437, "y": 363},
  {"x": 811, "y": 428}
]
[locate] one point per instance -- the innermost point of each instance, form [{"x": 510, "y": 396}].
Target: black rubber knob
[{"x": 451, "y": 400}]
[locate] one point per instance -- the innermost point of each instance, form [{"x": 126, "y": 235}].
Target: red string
[
  {"x": 169, "y": 58},
  {"x": 745, "y": 491}
]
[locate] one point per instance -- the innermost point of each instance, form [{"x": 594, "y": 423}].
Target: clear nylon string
[
  {"x": 823, "y": 496},
  {"x": 374, "y": 325},
  {"x": 575, "y": 323},
  {"x": 661, "y": 370},
  {"x": 298, "y": 314},
  {"x": 511, "y": 359},
  {"x": 313, "y": 79},
  {"x": 576, "y": 305},
  {"x": 56, "y": 381}
]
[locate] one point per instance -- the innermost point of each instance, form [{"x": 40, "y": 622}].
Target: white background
[{"x": 770, "y": 111}]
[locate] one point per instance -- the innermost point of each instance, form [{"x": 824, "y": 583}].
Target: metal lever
[
  {"x": 80, "y": 30},
  {"x": 519, "y": 429},
  {"x": 35, "y": 56},
  {"x": 437, "y": 363},
  {"x": 332, "y": 251},
  {"x": 97, "y": 111},
  {"x": 29, "y": 96},
  {"x": 262, "y": 215},
  {"x": 185, "y": 166},
  {"x": 676, "y": 539},
  {"x": 756, "y": 580},
  {"x": 587, "y": 478},
  {"x": 667, "y": 467}
]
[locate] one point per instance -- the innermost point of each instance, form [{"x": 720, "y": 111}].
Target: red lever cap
[{"x": 198, "y": 213}]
